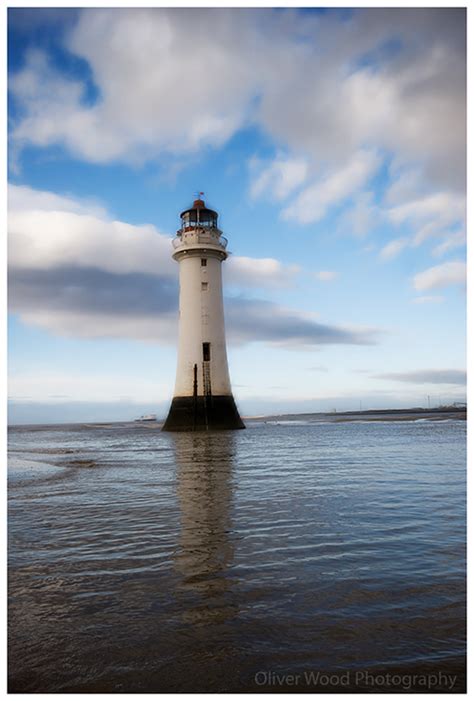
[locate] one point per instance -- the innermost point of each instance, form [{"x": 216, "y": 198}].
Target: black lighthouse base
[{"x": 213, "y": 413}]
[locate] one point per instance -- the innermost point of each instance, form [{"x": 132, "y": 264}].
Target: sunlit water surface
[{"x": 143, "y": 561}]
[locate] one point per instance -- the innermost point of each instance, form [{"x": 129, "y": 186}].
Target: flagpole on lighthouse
[{"x": 203, "y": 398}]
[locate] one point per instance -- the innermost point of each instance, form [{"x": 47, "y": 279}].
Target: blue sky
[{"x": 332, "y": 143}]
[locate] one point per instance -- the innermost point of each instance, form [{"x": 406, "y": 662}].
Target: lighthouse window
[
  {"x": 203, "y": 286},
  {"x": 206, "y": 351},
  {"x": 203, "y": 262}
]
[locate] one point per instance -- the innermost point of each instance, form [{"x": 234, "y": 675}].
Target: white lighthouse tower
[{"x": 203, "y": 399}]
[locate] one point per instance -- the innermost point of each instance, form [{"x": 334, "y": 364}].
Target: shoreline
[
  {"x": 371, "y": 415},
  {"x": 367, "y": 415}
]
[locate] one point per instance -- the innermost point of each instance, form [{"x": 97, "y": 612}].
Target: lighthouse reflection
[{"x": 205, "y": 553}]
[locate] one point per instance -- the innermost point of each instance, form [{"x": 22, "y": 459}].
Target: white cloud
[
  {"x": 47, "y": 230},
  {"x": 259, "y": 272},
  {"x": 314, "y": 83},
  {"x": 455, "y": 239},
  {"x": 326, "y": 275},
  {"x": 278, "y": 178},
  {"x": 312, "y": 204},
  {"x": 410, "y": 102},
  {"x": 403, "y": 184},
  {"x": 451, "y": 273},
  {"x": 442, "y": 203},
  {"x": 256, "y": 320},
  {"x": 148, "y": 325},
  {"x": 166, "y": 106},
  {"x": 21, "y": 198},
  {"x": 425, "y": 215},
  {"x": 393, "y": 248},
  {"x": 87, "y": 276},
  {"x": 429, "y": 216}
]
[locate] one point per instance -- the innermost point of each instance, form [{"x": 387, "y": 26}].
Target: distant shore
[{"x": 415, "y": 414}]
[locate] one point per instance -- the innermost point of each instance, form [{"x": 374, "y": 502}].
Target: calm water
[{"x": 143, "y": 561}]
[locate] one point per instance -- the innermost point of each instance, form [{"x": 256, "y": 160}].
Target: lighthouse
[{"x": 203, "y": 399}]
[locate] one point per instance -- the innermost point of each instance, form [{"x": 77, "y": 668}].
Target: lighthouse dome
[{"x": 199, "y": 215}]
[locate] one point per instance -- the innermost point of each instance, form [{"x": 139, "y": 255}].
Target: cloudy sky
[{"x": 332, "y": 143}]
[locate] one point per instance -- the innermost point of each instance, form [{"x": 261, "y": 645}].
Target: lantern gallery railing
[{"x": 199, "y": 236}]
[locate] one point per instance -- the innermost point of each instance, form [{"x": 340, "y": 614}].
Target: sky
[{"x": 331, "y": 142}]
